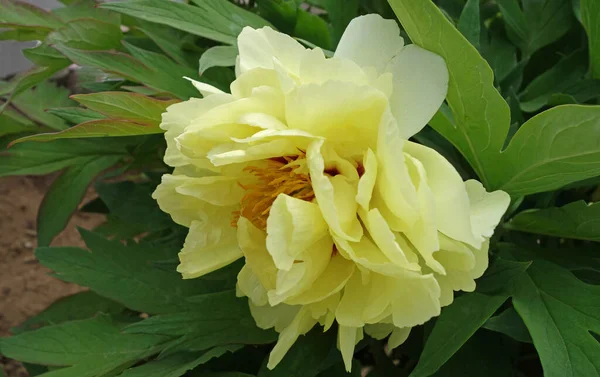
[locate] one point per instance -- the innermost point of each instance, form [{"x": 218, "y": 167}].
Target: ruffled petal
[{"x": 487, "y": 208}]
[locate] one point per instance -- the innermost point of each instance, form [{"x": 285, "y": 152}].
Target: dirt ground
[{"x": 25, "y": 287}]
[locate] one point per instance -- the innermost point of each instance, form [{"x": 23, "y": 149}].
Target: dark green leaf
[
  {"x": 14, "y": 13},
  {"x": 501, "y": 55},
  {"x": 281, "y": 13},
  {"x": 509, "y": 323},
  {"x": 312, "y": 28},
  {"x": 46, "y": 95},
  {"x": 78, "y": 306},
  {"x": 469, "y": 23},
  {"x": 500, "y": 274},
  {"x": 590, "y": 16},
  {"x": 575, "y": 220},
  {"x": 218, "y": 56},
  {"x": 170, "y": 40},
  {"x": 218, "y": 20},
  {"x": 340, "y": 13},
  {"x": 88, "y": 34},
  {"x": 65, "y": 194},
  {"x": 178, "y": 364},
  {"x": 126, "y": 273},
  {"x": 86, "y": 9},
  {"x": 75, "y": 115},
  {"x": 12, "y": 122}
]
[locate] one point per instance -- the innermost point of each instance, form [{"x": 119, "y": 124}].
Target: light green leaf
[
  {"x": 213, "y": 320},
  {"x": 79, "y": 342},
  {"x": 132, "y": 107},
  {"x": 537, "y": 23},
  {"x": 555, "y": 80},
  {"x": 178, "y": 364},
  {"x": 43, "y": 158},
  {"x": 46, "y": 95},
  {"x": 218, "y": 56},
  {"x": 551, "y": 150},
  {"x": 509, "y": 323},
  {"x": 575, "y": 220},
  {"x": 218, "y": 20},
  {"x": 478, "y": 118},
  {"x": 81, "y": 305},
  {"x": 75, "y": 115},
  {"x": 590, "y": 16},
  {"x": 469, "y": 23},
  {"x": 560, "y": 311},
  {"x": 127, "y": 274},
  {"x": 88, "y": 34},
  {"x": 18, "y": 14},
  {"x": 65, "y": 194}
]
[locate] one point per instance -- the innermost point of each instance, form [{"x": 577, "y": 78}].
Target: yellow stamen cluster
[{"x": 279, "y": 176}]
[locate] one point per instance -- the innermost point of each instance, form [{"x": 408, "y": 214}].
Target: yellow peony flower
[{"x": 306, "y": 171}]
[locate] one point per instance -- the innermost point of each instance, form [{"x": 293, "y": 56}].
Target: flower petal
[
  {"x": 417, "y": 299},
  {"x": 399, "y": 336},
  {"x": 279, "y": 317},
  {"x": 204, "y": 88},
  {"x": 370, "y": 41},
  {"x": 420, "y": 86},
  {"x": 301, "y": 324},
  {"x": 367, "y": 181},
  {"x": 487, "y": 208},
  {"x": 348, "y": 337},
  {"x": 252, "y": 242}
]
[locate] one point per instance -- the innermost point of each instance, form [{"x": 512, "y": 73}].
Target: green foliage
[{"x": 520, "y": 115}]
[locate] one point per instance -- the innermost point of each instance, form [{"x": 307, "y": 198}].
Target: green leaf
[
  {"x": 86, "y": 9},
  {"x": 560, "y": 311},
  {"x": 44, "y": 55},
  {"x": 312, "y": 28},
  {"x": 131, "y": 68},
  {"x": 75, "y": 115},
  {"x": 469, "y": 23},
  {"x": 178, "y": 364},
  {"x": 580, "y": 92},
  {"x": 218, "y": 20},
  {"x": 310, "y": 355},
  {"x": 23, "y": 35},
  {"x": 170, "y": 40},
  {"x": 12, "y": 123},
  {"x": 43, "y": 158},
  {"x": 555, "y": 80},
  {"x": 576, "y": 220},
  {"x": 65, "y": 194},
  {"x": 79, "y": 342},
  {"x": 281, "y": 13},
  {"x": 340, "y": 13},
  {"x": 551, "y": 150},
  {"x": 88, "y": 34},
  {"x": 500, "y": 54},
  {"x": 126, "y": 273},
  {"x": 128, "y": 106},
  {"x": 537, "y": 24},
  {"x": 81, "y": 305},
  {"x": 509, "y": 323},
  {"x": 96, "y": 128},
  {"x": 20, "y": 14},
  {"x": 478, "y": 118},
  {"x": 218, "y": 56},
  {"x": 213, "y": 320},
  {"x": 500, "y": 274},
  {"x": 590, "y": 17},
  {"x": 35, "y": 102}
]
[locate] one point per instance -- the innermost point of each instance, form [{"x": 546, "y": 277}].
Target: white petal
[
  {"x": 204, "y": 88},
  {"x": 487, "y": 208},
  {"x": 420, "y": 86},
  {"x": 370, "y": 41},
  {"x": 348, "y": 337},
  {"x": 399, "y": 336}
]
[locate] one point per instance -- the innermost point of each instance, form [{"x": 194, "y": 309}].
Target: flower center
[{"x": 278, "y": 176}]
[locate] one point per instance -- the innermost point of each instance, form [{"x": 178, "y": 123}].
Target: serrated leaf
[
  {"x": 218, "y": 56},
  {"x": 75, "y": 115},
  {"x": 78, "y": 342},
  {"x": 576, "y": 220},
  {"x": 560, "y": 311},
  {"x": 509, "y": 323},
  {"x": 478, "y": 118},
  {"x": 590, "y": 17},
  {"x": 14, "y": 13},
  {"x": 81, "y": 305},
  {"x": 469, "y": 23},
  {"x": 43, "y": 158},
  {"x": 128, "y": 274},
  {"x": 537, "y": 23},
  {"x": 213, "y": 320},
  {"x": 218, "y": 20},
  {"x": 88, "y": 34},
  {"x": 132, "y": 107},
  {"x": 551, "y": 150}
]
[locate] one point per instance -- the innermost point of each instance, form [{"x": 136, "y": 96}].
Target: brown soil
[{"x": 25, "y": 287}]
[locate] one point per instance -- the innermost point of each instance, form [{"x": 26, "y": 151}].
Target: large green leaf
[
  {"x": 538, "y": 23},
  {"x": 218, "y": 56},
  {"x": 551, "y": 150},
  {"x": 80, "y": 342},
  {"x": 560, "y": 312},
  {"x": 218, "y": 20},
  {"x": 129, "y": 274},
  {"x": 12, "y": 122},
  {"x": 75, "y": 115},
  {"x": 20, "y": 14},
  {"x": 170, "y": 40},
  {"x": 214, "y": 320},
  {"x": 509, "y": 323},
  {"x": 340, "y": 13},
  {"x": 178, "y": 364},
  {"x": 478, "y": 118},
  {"x": 34, "y": 103},
  {"x": 65, "y": 194},
  {"x": 88, "y": 34},
  {"x": 575, "y": 220},
  {"x": 590, "y": 16}
]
